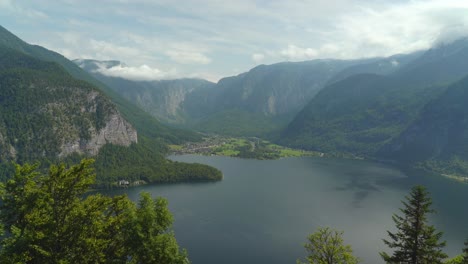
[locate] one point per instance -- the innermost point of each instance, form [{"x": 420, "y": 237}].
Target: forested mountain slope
[
  {"x": 142, "y": 121},
  {"x": 439, "y": 136},
  {"x": 362, "y": 113},
  {"x": 46, "y": 114}
]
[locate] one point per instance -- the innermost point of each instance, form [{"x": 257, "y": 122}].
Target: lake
[{"x": 263, "y": 211}]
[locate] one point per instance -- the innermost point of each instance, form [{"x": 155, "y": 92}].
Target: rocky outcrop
[{"x": 116, "y": 131}]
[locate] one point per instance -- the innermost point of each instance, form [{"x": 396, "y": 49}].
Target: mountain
[
  {"x": 142, "y": 121},
  {"x": 379, "y": 66},
  {"x": 46, "y": 112},
  {"x": 439, "y": 135},
  {"x": 52, "y": 110},
  {"x": 362, "y": 113},
  {"x": 162, "y": 99},
  {"x": 265, "y": 98},
  {"x": 255, "y": 103},
  {"x": 442, "y": 64},
  {"x": 268, "y": 97}
]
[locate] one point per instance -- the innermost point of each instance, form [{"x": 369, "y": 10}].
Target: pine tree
[{"x": 415, "y": 242}]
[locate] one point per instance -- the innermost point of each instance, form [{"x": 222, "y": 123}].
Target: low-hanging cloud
[
  {"x": 258, "y": 57},
  {"x": 294, "y": 52},
  {"x": 140, "y": 73},
  {"x": 452, "y": 33}
]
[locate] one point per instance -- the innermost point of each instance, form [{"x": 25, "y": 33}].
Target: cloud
[
  {"x": 214, "y": 37},
  {"x": 297, "y": 53},
  {"x": 11, "y": 6},
  {"x": 6, "y": 4},
  {"x": 187, "y": 57},
  {"x": 452, "y": 33},
  {"x": 258, "y": 57},
  {"x": 140, "y": 73},
  {"x": 397, "y": 28}
]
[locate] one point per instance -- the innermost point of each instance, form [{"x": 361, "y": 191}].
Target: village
[{"x": 251, "y": 147}]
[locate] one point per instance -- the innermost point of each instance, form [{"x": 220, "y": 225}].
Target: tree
[
  {"x": 151, "y": 242},
  {"x": 460, "y": 259},
  {"x": 415, "y": 242},
  {"x": 325, "y": 246},
  {"x": 465, "y": 253},
  {"x": 49, "y": 219}
]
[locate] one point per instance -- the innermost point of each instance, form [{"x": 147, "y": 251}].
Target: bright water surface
[{"x": 262, "y": 211}]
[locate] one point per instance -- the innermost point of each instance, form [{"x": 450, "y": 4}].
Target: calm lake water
[{"x": 262, "y": 211}]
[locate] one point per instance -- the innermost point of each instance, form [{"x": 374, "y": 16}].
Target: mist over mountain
[
  {"x": 256, "y": 102},
  {"x": 380, "y": 66},
  {"x": 163, "y": 99}
]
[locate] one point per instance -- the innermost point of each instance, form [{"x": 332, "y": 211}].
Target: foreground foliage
[
  {"x": 49, "y": 219},
  {"x": 326, "y": 246},
  {"x": 415, "y": 241}
]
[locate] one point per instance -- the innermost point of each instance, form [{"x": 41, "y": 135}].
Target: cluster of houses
[
  {"x": 205, "y": 147},
  {"x": 125, "y": 183}
]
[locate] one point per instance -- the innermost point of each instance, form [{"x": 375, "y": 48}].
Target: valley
[
  {"x": 368, "y": 108},
  {"x": 250, "y": 148},
  {"x": 255, "y": 145}
]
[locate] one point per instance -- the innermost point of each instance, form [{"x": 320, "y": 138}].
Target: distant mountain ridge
[
  {"x": 415, "y": 114},
  {"x": 253, "y": 103},
  {"x": 163, "y": 99}
]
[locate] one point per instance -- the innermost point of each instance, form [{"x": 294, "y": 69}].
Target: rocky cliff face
[
  {"x": 116, "y": 131},
  {"x": 163, "y": 99},
  {"x": 112, "y": 128},
  {"x": 46, "y": 113}
]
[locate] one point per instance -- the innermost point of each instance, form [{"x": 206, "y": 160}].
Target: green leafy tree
[
  {"x": 326, "y": 246},
  {"x": 49, "y": 219},
  {"x": 465, "y": 253},
  {"x": 151, "y": 242},
  {"x": 415, "y": 241},
  {"x": 460, "y": 259}
]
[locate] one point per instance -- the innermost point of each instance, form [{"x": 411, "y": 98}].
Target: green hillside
[
  {"x": 439, "y": 136},
  {"x": 361, "y": 114},
  {"x": 42, "y": 106}
]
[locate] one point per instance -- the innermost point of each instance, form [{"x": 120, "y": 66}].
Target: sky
[{"x": 211, "y": 39}]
